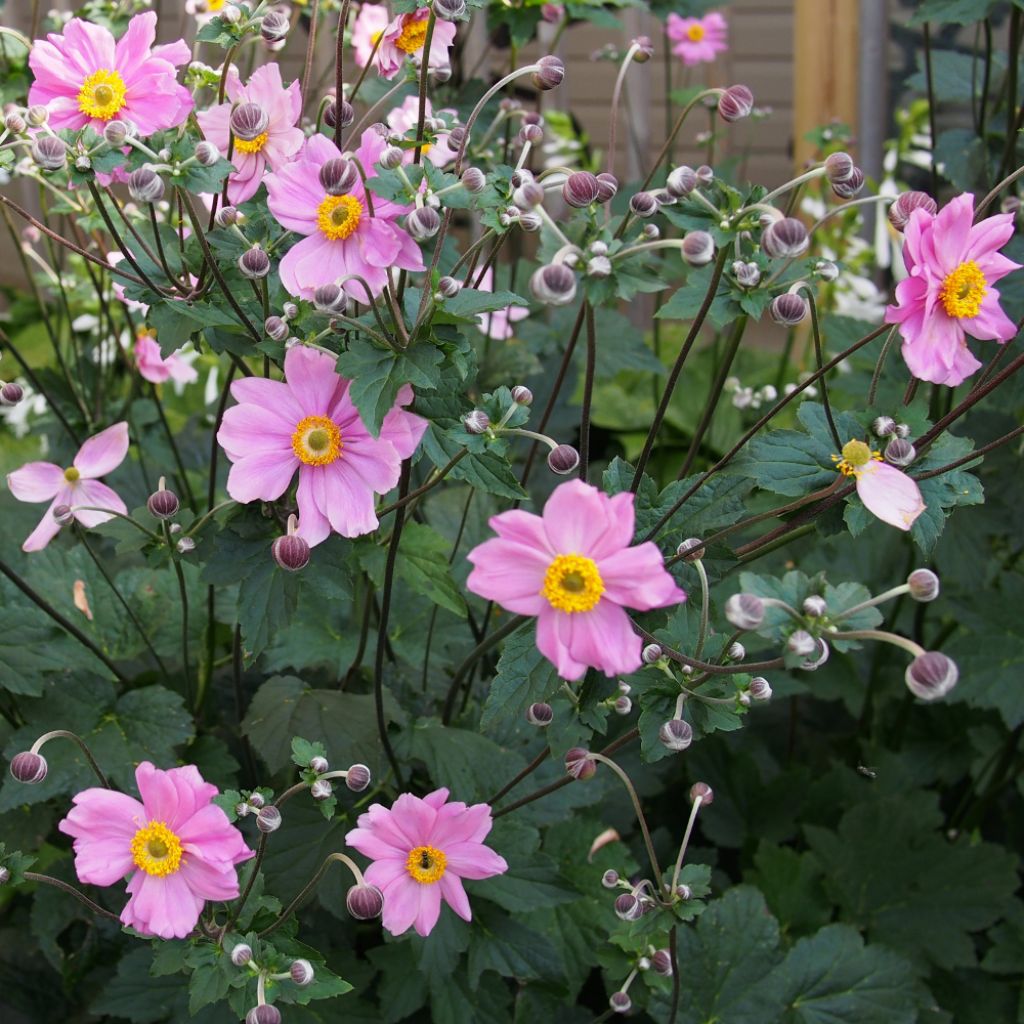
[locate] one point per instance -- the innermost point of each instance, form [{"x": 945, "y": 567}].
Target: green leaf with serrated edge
[
  {"x": 793, "y": 885},
  {"x": 1006, "y": 953},
  {"x": 135, "y": 995},
  {"x": 523, "y": 677},
  {"x": 487, "y": 471},
  {"x": 423, "y": 565},
  {"x": 509, "y": 947},
  {"x": 303, "y": 751}
]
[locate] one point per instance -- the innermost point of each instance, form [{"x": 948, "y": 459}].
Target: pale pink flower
[
  {"x": 369, "y": 26},
  {"x": 342, "y": 235},
  {"x": 887, "y": 492},
  {"x": 405, "y": 119},
  {"x": 574, "y": 569},
  {"x": 406, "y": 37},
  {"x": 85, "y": 78},
  {"x": 310, "y": 424},
  {"x": 152, "y": 366},
  {"x": 79, "y": 484},
  {"x": 952, "y": 263},
  {"x": 499, "y": 324},
  {"x": 698, "y": 40},
  {"x": 421, "y": 851},
  {"x": 204, "y": 11},
  {"x": 274, "y": 147},
  {"x": 177, "y": 846}
]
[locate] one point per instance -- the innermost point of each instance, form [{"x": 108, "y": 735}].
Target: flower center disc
[
  {"x": 251, "y": 145},
  {"x": 963, "y": 290},
  {"x": 695, "y": 33},
  {"x": 72, "y": 475},
  {"x": 156, "y": 850},
  {"x": 338, "y": 216},
  {"x": 102, "y": 94},
  {"x": 426, "y": 864},
  {"x": 317, "y": 441},
  {"x": 414, "y": 35},
  {"x": 572, "y": 584},
  {"x": 856, "y": 455}
]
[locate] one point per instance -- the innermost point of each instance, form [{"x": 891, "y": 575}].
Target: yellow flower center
[
  {"x": 572, "y": 584},
  {"x": 856, "y": 455},
  {"x": 251, "y": 145},
  {"x": 71, "y": 474},
  {"x": 317, "y": 441},
  {"x": 214, "y": 5},
  {"x": 963, "y": 290},
  {"x": 338, "y": 216},
  {"x": 414, "y": 35},
  {"x": 102, "y": 94},
  {"x": 156, "y": 850},
  {"x": 695, "y": 33},
  {"x": 426, "y": 864}
]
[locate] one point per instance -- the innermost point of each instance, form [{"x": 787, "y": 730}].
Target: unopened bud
[
  {"x": 554, "y": 284},
  {"x": 818, "y": 657},
  {"x": 254, "y": 263},
  {"x": 274, "y": 26},
  {"x": 900, "y": 452},
  {"x": 335, "y": 111},
  {"x": 476, "y": 422},
  {"x": 364, "y": 902},
  {"x": 424, "y": 222},
  {"x": 540, "y": 714},
  {"x": 607, "y": 186},
  {"x": 651, "y": 654},
  {"x": 906, "y": 203},
  {"x": 826, "y": 270},
  {"x": 704, "y": 792},
  {"x": 681, "y": 181},
  {"x": 357, "y": 778},
  {"x": 735, "y": 103},
  {"x": 268, "y": 819},
  {"x": 474, "y": 180},
  {"x": 391, "y": 158},
  {"x": 63, "y": 514},
  {"x": 676, "y": 734},
  {"x": 736, "y": 651},
  {"x": 249, "y": 121},
  {"x": 622, "y": 705},
  {"x": 338, "y": 176},
  {"x": 163, "y": 504},
  {"x": 206, "y": 154},
  {"x": 549, "y": 74},
  {"x": 265, "y": 1013},
  {"x": 815, "y": 606},
  {"x": 522, "y": 395},
  {"x": 628, "y": 907},
  {"x": 745, "y": 611},
  {"x": 691, "y": 549},
  {"x": 563, "y": 459},
  {"x": 748, "y": 275},
  {"x": 759, "y": 689},
  {"x": 11, "y": 393},
  {"x": 698, "y": 248},
  {"x": 644, "y": 49},
  {"x": 38, "y": 115},
  {"x": 786, "y": 238},
  {"x": 321, "y": 789},
  {"x": 318, "y": 764},
  {"x": 241, "y": 954},
  {"x": 610, "y": 879},
  {"x": 931, "y": 675},
  {"x": 581, "y": 189},
  {"x": 579, "y": 764},
  {"x": 620, "y": 1002},
  {"x": 276, "y": 328},
  {"x": 643, "y": 204},
  {"x": 883, "y": 426},
  {"x": 15, "y": 124},
  {"x": 903, "y": 430},
  {"x": 801, "y": 642},
  {"x": 839, "y": 167},
  {"x": 28, "y": 767},
  {"x": 449, "y": 287},
  {"x": 661, "y": 961},
  {"x": 290, "y": 552},
  {"x": 49, "y": 152},
  {"x": 924, "y": 585},
  {"x": 226, "y": 216},
  {"x": 301, "y": 972},
  {"x": 788, "y": 309},
  {"x": 115, "y": 133},
  {"x": 848, "y": 189},
  {"x": 531, "y": 133},
  {"x": 528, "y": 195}
]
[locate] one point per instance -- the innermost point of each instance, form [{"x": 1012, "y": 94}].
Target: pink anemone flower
[
  {"x": 86, "y": 78},
  {"x": 574, "y": 569},
  {"x": 343, "y": 235},
  {"x": 178, "y": 847},
  {"x": 887, "y": 492},
  {"x": 153, "y": 367},
  {"x": 698, "y": 40},
  {"x": 421, "y": 851},
  {"x": 406, "y": 37},
  {"x": 309, "y": 423},
  {"x": 405, "y": 119},
  {"x": 273, "y": 147},
  {"x": 499, "y": 324},
  {"x": 952, "y": 263},
  {"x": 77, "y": 485},
  {"x": 369, "y": 26}
]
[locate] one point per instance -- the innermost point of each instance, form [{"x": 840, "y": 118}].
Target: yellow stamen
[
  {"x": 573, "y": 584},
  {"x": 695, "y": 33},
  {"x": 214, "y": 5},
  {"x": 856, "y": 455},
  {"x": 317, "y": 441},
  {"x": 102, "y": 94},
  {"x": 963, "y": 290},
  {"x": 156, "y": 850},
  {"x": 338, "y": 216},
  {"x": 251, "y": 145},
  {"x": 72, "y": 475},
  {"x": 426, "y": 864},
  {"x": 414, "y": 34}
]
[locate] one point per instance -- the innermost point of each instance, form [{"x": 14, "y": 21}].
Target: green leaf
[
  {"x": 792, "y": 884},
  {"x": 509, "y": 947},
  {"x": 134, "y": 994},
  {"x": 957, "y": 12},
  {"x": 486, "y": 471},
  {"x": 303, "y": 751},
  {"x": 470, "y": 303},
  {"x": 423, "y": 565},
  {"x": 523, "y": 677}
]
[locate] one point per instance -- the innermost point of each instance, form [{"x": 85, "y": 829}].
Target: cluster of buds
[
  {"x": 899, "y": 449},
  {"x": 300, "y": 973},
  {"x": 749, "y": 397},
  {"x": 845, "y": 177}
]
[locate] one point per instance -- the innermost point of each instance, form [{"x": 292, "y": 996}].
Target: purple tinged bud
[
  {"x": 681, "y": 181},
  {"x": 705, "y": 175},
  {"x": 532, "y": 133},
  {"x": 931, "y": 675},
  {"x": 759, "y": 689},
  {"x": 818, "y": 658},
  {"x": 549, "y": 74},
  {"x": 628, "y": 907},
  {"x": 276, "y": 328},
  {"x": 651, "y": 232},
  {"x": 522, "y": 395},
  {"x": 581, "y": 189},
  {"x": 290, "y": 311},
  {"x": 540, "y": 715},
  {"x": 651, "y": 654},
  {"x": 264, "y": 1013},
  {"x": 163, "y": 504},
  {"x": 599, "y": 266},
  {"x": 903, "y": 430},
  {"x": 691, "y": 549},
  {"x": 268, "y": 819},
  {"x": 5, "y": 876},
  {"x": 254, "y": 263},
  {"x": 684, "y": 892},
  {"x": 241, "y": 954},
  {"x": 226, "y": 216},
  {"x": 745, "y": 611},
  {"x": 815, "y": 606},
  {"x": 676, "y": 734},
  {"x": 643, "y": 204},
  {"x": 338, "y": 176},
  {"x": 449, "y": 287},
  {"x": 704, "y": 791},
  {"x": 49, "y": 152},
  {"x": 788, "y": 309},
  {"x": 329, "y": 298},
  {"x": 579, "y": 764},
  {"x": 364, "y": 902},
  {"x": 28, "y": 767},
  {"x": 476, "y": 422},
  {"x": 906, "y": 203},
  {"x": 698, "y": 248},
  {"x": 249, "y": 121},
  {"x": 63, "y": 514},
  {"x": 607, "y": 185},
  {"x": 839, "y": 168},
  {"x": 528, "y": 195},
  {"x": 449, "y": 10},
  {"x": 391, "y": 158},
  {"x": 900, "y": 452},
  {"x": 801, "y": 642},
  {"x": 145, "y": 185},
  {"x": 319, "y": 764},
  {"x": 786, "y": 238},
  {"x": 883, "y": 426},
  {"x": 924, "y": 585},
  {"x": 736, "y": 103},
  {"x": 661, "y": 961},
  {"x": 610, "y": 879},
  {"x": 256, "y": 800},
  {"x": 321, "y": 789},
  {"x": 115, "y": 133},
  {"x": 748, "y": 275},
  {"x": 474, "y": 180},
  {"x": 348, "y": 114},
  {"x": 206, "y": 153},
  {"x": 622, "y": 705},
  {"x": 530, "y": 221},
  {"x": 848, "y": 189},
  {"x": 358, "y": 778},
  {"x": 563, "y": 459},
  {"x": 290, "y": 552},
  {"x": 15, "y": 124},
  {"x": 736, "y": 651},
  {"x": 424, "y": 222},
  {"x": 301, "y": 972},
  {"x": 554, "y": 284},
  {"x": 274, "y": 26},
  {"x": 620, "y": 1002},
  {"x": 11, "y": 393},
  {"x": 826, "y": 270}
]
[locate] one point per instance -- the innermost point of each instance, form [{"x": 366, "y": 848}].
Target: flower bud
[
  {"x": 302, "y": 970},
  {"x": 163, "y": 504},
  {"x": 883, "y": 426},
  {"x": 476, "y": 422},
  {"x": 748, "y": 275},
  {"x": 924, "y": 585},
  {"x": 735, "y": 103},
  {"x": 5, "y": 875},
  {"x": 610, "y": 879},
  {"x": 290, "y": 552},
  {"x": 745, "y": 611},
  {"x": 788, "y": 309},
  {"x": 676, "y": 734},
  {"x": 276, "y": 328},
  {"x": 63, "y": 514},
  {"x": 256, "y": 800},
  {"x": 554, "y": 284},
  {"x": 930, "y": 675},
  {"x": 759, "y": 689},
  {"x": 549, "y": 74},
  {"x": 906, "y": 203},
  {"x": 900, "y": 452},
  {"x": 264, "y": 1013},
  {"x": 736, "y": 651},
  {"x": 232, "y": 15},
  {"x": 38, "y": 115},
  {"x": 206, "y": 154},
  {"x": 849, "y": 188},
  {"x": 540, "y": 714},
  {"x": 474, "y": 180},
  {"x": 241, "y": 954},
  {"x": 333, "y": 111},
  {"x": 28, "y": 767},
  {"x": 338, "y": 176},
  {"x": 818, "y": 657},
  {"x": 268, "y": 819},
  {"x": 786, "y": 238},
  {"x": 815, "y": 606},
  {"x": 620, "y": 1002},
  {"x": 274, "y": 26},
  {"x": 522, "y": 395},
  {"x": 449, "y": 10},
  {"x": 661, "y": 961},
  {"x": 115, "y": 133},
  {"x": 643, "y": 204},
  {"x": 826, "y": 270},
  {"x": 681, "y": 181},
  {"x": 358, "y": 777},
  {"x": 364, "y": 902},
  {"x": 563, "y": 459},
  {"x": 528, "y": 195},
  {"x": 532, "y": 133},
  {"x": 185, "y": 545},
  {"x": 903, "y": 430},
  {"x": 321, "y": 789},
  {"x": 684, "y": 892},
  {"x": 628, "y": 907},
  {"x": 254, "y": 263},
  {"x": 622, "y": 705},
  {"x": 11, "y": 393},
  {"x": 448, "y": 287},
  {"x": 651, "y": 654},
  {"x": 644, "y": 49},
  {"x": 391, "y": 158},
  {"x": 691, "y": 549},
  {"x": 704, "y": 791},
  {"x": 249, "y": 121},
  {"x": 424, "y": 222},
  {"x": 607, "y": 186},
  {"x": 318, "y": 764},
  {"x": 49, "y": 152},
  {"x": 290, "y": 311},
  {"x": 15, "y": 124},
  {"x": 581, "y": 189},
  {"x": 801, "y": 642},
  {"x": 226, "y": 216},
  {"x": 579, "y": 765},
  {"x": 839, "y": 167},
  {"x": 698, "y": 248}
]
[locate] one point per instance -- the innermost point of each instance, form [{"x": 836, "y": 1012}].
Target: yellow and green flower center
[
  {"x": 317, "y": 441},
  {"x": 72, "y": 475},
  {"x": 338, "y": 216},
  {"x": 414, "y": 35},
  {"x": 251, "y": 145},
  {"x": 426, "y": 864},
  {"x": 695, "y": 33},
  {"x": 156, "y": 850},
  {"x": 573, "y": 584},
  {"x": 102, "y": 94},
  {"x": 856, "y": 455},
  {"x": 963, "y": 290}
]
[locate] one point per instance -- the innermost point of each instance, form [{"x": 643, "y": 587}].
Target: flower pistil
[
  {"x": 156, "y": 850},
  {"x": 573, "y": 584},
  {"x": 426, "y": 864},
  {"x": 856, "y": 455},
  {"x": 102, "y": 94},
  {"x": 338, "y": 216},
  {"x": 317, "y": 441},
  {"x": 963, "y": 290}
]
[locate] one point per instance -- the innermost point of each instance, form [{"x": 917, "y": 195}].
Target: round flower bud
[
  {"x": 651, "y": 232},
  {"x": 321, "y": 789},
  {"x": 232, "y": 15},
  {"x": 474, "y": 180},
  {"x": 522, "y": 395},
  {"x": 788, "y": 309},
  {"x": 206, "y": 154},
  {"x": 684, "y": 892},
  {"x": 704, "y": 791},
  {"x": 241, "y": 954},
  {"x": 681, "y": 181},
  {"x": 358, "y": 777},
  {"x": 424, "y": 222},
  {"x": 476, "y": 422},
  {"x": 540, "y": 714},
  {"x": 226, "y": 216},
  {"x": 930, "y": 675},
  {"x": 801, "y": 642},
  {"x": 661, "y": 961},
  {"x": 185, "y": 545},
  {"x": 448, "y": 287},
  {"x": 883, "y": 426},
  {"x": 274, "y": 26},
  {"x": 38, "y": 115},
  {"x": 163, "y": 504},
  {"x": 745, "y": 611},
  {"x": 338, "y": 176},
  {"x": 579, "y": 765},
  {"x": 391, "y": 158},
  {"x": 319, "y": 764},
  {"x": 839, "y": 167},
  {"x": 644, "y": 49},
  {"x": 698, "y": 248},
  {"x": 11, "y": 393},
  {"x": 581, "y": 189},
  {"x": 264, "y": 1013},
  {"x": 528, "y": 195},
  {"x": 28, "y": 767},
  {"x": 5, "y": 876},
  {"x": 115, "y": 133},
  {"x": 759, "y": 689},
  {"x": 290, "y": 552},
  {"x": 49, "y": 152},
  {"x": 607, "y": 186},
  {"x": 63, "y": 514},
  {"x": 276, "y": 328},
  {"x": 364, "y": 902},
  {"x": 449, "y": 10},
  {"x": 906, "y": 203},
  {"x": 786, "y": 238},
  {"x": 691, "y": 549},
  {"x": 456, "y": 136},
  {"x": 532, "y": 133},
  {"x": 651, "y": 654},
  {"x": 549, "y": 74},
  {"x": 628, "y": 907},
  {"x": 256, "y": 800},
  {"x": 748, "y": 275},
  {"x": 15, "y": 124},
  {"x": 736, "y": 651},
  {"x": 676, "y": 734},
  {"x": 301, "y": 972},
  {"x": 620, "y": 1002},
  {"x": 826, "y": 270},
  {"x": 815, "y": 606},
  {"x": 900, "y": 452},
  {"x": 643, "y": 204},
  {"x": 554, "y": 284},
  {"x": 343, "y": 111},
  {"x": 735, "y": 103},
  {"x": 254, "y": 263},
  {"x": 269, "y": 819},
  {"x": 848, "y": 189},
  {"x": 83, "y": 163},
  {"x": 599, "y": 266},
  {"x": 705, "y": 174},
  {"x": 249, "y": 121},
  {"x": 610, "y": 879},
  {"x": 290, "y": 311},
  {"x": 563, "y": 459},
  {"x": 924, "y": 585},
  {"x": 902, "y": 430}
]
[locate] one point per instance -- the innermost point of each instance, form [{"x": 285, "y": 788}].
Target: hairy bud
[
  {"x": 274, "y": 26},
  {"x": 906, "y": 203},
  {"x": 748, "y": 275},
  {"x": 554, "y": 284},
  {"x": 276, "y": 329},
  {"x": 264, "y": 1013},
  {"x": 254, "y": 263},
  {"x": 759, "y": 689},
  {"x": 28, "y": 767},
  {"x": 661, "y": 961},
  {"x": 474, "y": 180},
  {"x": 115, "y": 133},
  {"x": 698, "y": 248},
  {"x": 849, "y": 188},
  {"x": 931, "y": 675},
  {"x": 745, "y": 611},
  {"x": 579, "y": 764},
  {"x": 226, "y": 216},
  {"x": 424, "y": 222},
  {"x": 681, "y": 181},
  {"x": 268, "y": 819},
  {"x": 883, "y": 426},
  {"x": 900, "y": 452},
  {"x": 49, "y": 152},
  {"x": 801, "y": 642},
  {"x": 785, "y": 238},
  {"x": 815, "y": 606},
  {"x": 691, "y": 549},
  {"x": 676, "y": 734},
  {"x": 249, "y": 121},
  {"x": 522, "y": 395},
  {"x": 622, "y": 705},
  {"x": 610, "y": 879},
  {"x": 643, "y": 204},
  {"x": 448, "y": 287},
  {"x": 358, "y": 777},
  {"x": 788, "y": 309},
  {"x": 528, "y": 195},
  {"x": 476, "y": 422},
  {"x": 628, "y": 907},
  {"x": 38, "y": 114},
  {"x": 206, "y": 153},
  {"x": 736, "y": 103},
  {"x": 532, "y": 133},
  {"x": 301, "y": 972},
  {"x": 924, "y": 585},
  {"x": 563, "y": 459},
  {"x": 335, "y": 111},
  {"x": 549, "y": 74},
  {"x": 607, "y": 186},
  {"x": 704, "y": 791},
  {"x": 581, "y": 189},
  {"x": 364, "y": 902},
  {"x": 839, "y": 167},
  {"x": 290, "y": 552},
  {"x": 11, "y": 393},
  {"x": 620, "y": 1002},
  {"x": 241, "y": 954},
  {"x": 338, "y": 176},
  {"x": 651, "y": 654},
  {"x": 321, "y": 789},
  {"x": 540, "y": 714}
]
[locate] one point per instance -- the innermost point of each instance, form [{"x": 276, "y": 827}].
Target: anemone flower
[
  {"x": 887, "y": 492},
  {"x": 697, "y": 40},
  {"x": 405, "y": 119},
  {"x": 152, "y": 365},
  {"x": 406, "y": 36},
  {"x": 369, "y": 26}
]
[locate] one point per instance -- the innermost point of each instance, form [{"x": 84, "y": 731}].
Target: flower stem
[
  {"x": 311, "y": 885},
  {"x": 65, "y": 734},
  {"x": 33, "y": 876}
]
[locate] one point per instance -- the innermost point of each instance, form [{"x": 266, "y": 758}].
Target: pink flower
[
  {"x": 276, "y": 146},
  {"x": 85, "y": 78},
  {"x": 178, "y": 846},
  {"x": 406, "y": 118},
  {"x": 342, "y": 235},
  {"x": 698, "y": 40},
  {"x": 498, "y": 325},
  {"x": 574, "y": 569},
  {"x": 406, "y": 36},
  {"x": 952, "y": 263},
  {"x": 153, "y": 367},
  {"x": 421, "y": 850},
  {"x": 369, "y": 26},
  {"x": 77, "y": 485},
  {"x": 309, "y": 424},
  {"x": 887, "y": 492}
]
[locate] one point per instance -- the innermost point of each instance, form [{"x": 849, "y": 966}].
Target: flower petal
[
  {"x": 890, "y": 495},
  {"x": 103, "y": 453},
  {"x": 36, "y": 481}
]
